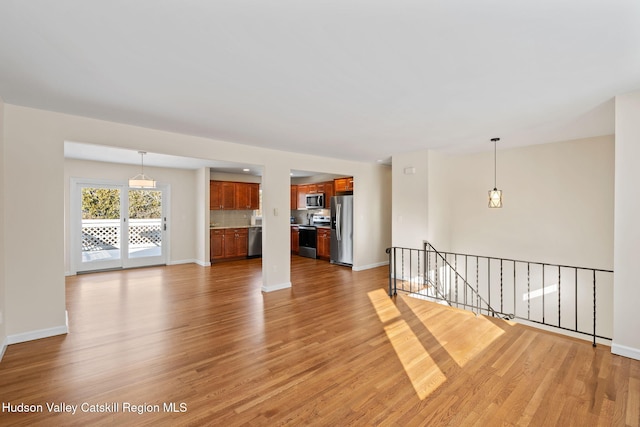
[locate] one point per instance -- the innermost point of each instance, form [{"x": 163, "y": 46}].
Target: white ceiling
[{"x": 349, "y": 79}]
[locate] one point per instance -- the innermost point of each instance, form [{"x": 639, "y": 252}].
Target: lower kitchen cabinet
[
  {"x": 323, "y": 246},
  {"x": 236, "y": 242},
  {"x": 229, "y": 243},
  {"x": 217, "y": 244}
]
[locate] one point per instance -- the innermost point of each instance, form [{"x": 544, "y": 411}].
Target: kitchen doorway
[{"x": 115, "y": 226}]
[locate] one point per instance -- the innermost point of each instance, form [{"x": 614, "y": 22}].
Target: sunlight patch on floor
[
  {"x": 422, "y": 370},
  {"x": 478, "y": 333}
]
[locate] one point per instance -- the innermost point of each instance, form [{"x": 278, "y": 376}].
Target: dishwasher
[{"x": 255, "y": 242}]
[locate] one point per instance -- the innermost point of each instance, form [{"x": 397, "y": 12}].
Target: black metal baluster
[
  {"x": 410, "y": 270},
  {"x": 455, "y": 265},
  {"x": 514, "y": 289},
  {"x": 501, "y": 292},
  {"x": 559, "y": 290},
  {"x": 391, "y": 267},
  {"x": 429, "y": 267},
  {"x": 477, "y": 285},
  {"x": 489, "y": 282},
  {"x": 528, "y": 291},
  {"x": 402, "y": 277},
  {"x": 466, "y": 277},
  {"x": 594, "y": 308},
  {"x": 543, "y": 290},
  {"x": 575, "y": 299}
]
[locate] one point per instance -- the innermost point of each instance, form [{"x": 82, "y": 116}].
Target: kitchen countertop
[
  {"x": 224, "y": 227},
  {"x": 307, "y": 225}
]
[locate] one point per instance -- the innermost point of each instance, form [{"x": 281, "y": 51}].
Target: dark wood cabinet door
[
  {"x": 294, "y": 197},
  {"x": 242, "y": 242},
  {"x": 254, "y": 196},
  {"x": 328, "y": 193},
  {"x": 324, "y": 243},
  {"x": 215, "y": 192},
  {"x": 230, "y": 243},
  {"x": 228, "y": 193},
  {"x": 302, "y": 196},
  {"x": 217, "y": 244}
]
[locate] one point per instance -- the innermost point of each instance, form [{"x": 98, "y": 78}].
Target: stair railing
[
  {"x": 570, "y": 298},
  {"x": 426, "y": 273}
]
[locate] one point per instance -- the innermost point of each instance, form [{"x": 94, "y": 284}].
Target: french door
[{"x": 117, "y": 227}]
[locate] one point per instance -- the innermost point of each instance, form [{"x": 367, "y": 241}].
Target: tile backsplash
[{"x": 230, "y": 218}]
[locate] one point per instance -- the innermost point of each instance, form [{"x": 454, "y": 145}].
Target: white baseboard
[
  {"x": 40, "y": 333},
  {"x": 68, "y": 273},
  {"x": 189, "y": 261},
  {"x": 623, "y": 350},
  {"x": 3, "y": 347},
  {"x": 370, "y": 266},
  {"x": 277, "y": 287},
  {"x": 182, "y": 261}
]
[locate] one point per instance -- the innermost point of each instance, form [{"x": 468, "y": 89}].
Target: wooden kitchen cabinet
[
  {"x": 295, "y": 241},
  {"x": 229, "y": 243},
  {"x": 294, "y": 197},
  {"x": 303, "y": 190},
  {"x": 343, "y": 184},
  {"x": 221, "y": 195},
  {"x": 323, "y": 244},
  {"x": 236, "y": 242},
  {"x": 226, "y": 195},
  {"x": 247, "y": 196},
  {"x": 217, "y": 244},
  {"x": 328, "y": 193}
]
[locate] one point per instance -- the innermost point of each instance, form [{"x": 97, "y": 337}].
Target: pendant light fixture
[
  {"x": 495, "y": 195},
  {"x": 141, "y": 180}
]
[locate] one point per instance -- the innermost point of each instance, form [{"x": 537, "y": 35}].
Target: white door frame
[{"x": 75, "y": 227}]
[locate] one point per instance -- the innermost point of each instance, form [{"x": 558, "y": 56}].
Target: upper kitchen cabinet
[
  {"x": 247, "y": 196},
  {"x": 221, "y": 195},
  {"x": 343, "y": 184},
  {"x": 303, "y": 190},
  {"x": 327, "y": 189},
  {"x": 225, "y": 195},
  {"x": 294, "y": 197}
]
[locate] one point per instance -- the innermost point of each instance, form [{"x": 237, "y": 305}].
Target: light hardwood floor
[{"x": 333, "y": 350}]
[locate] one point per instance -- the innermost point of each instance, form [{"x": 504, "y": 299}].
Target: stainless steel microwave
[{"x": 315, "y": 201}]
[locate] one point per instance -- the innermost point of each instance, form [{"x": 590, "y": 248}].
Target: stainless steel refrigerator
[{"x": 342, "y": 230}]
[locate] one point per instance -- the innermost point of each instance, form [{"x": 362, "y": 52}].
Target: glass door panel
[
  {"x": 146, "y": 226},
  {"x": 101, "y": 230}
]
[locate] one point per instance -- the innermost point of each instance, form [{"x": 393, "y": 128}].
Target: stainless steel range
[{"x": 308, "y": 234}]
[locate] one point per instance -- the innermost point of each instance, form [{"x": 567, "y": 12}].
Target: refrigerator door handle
[{"x": 338, "y": 220}]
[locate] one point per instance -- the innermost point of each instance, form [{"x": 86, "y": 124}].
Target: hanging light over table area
[{"x": 141, "y": 180}]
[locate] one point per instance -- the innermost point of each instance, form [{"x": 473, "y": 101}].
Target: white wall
[
  {"x": 3, "y": 334},
  {"x": 202, "y": 240},
  {"x": 410, "y": 195},
  {"x": 183, "y": 199},
  {"x": 626, "y": 338},
  {"x": 557, "y": 203},
  {"x": 34, "y": 226},
  {"x": 234, "y": 177},
  {"x": 372, "y": 216},
  {"x": 34, "y": 143}
]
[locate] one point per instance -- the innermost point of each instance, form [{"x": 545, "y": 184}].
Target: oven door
[{"x": 307, "y": 241}]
